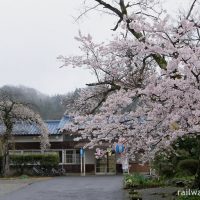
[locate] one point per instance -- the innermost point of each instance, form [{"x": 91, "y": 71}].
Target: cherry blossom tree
[
  {"x": 147, "y": 90},
  {"x": 12, "y": 112}
]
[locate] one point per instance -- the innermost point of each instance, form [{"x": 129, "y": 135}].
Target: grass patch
[
  {"x": 24, "y": 176},
  {"x": 138, "y": 181}
]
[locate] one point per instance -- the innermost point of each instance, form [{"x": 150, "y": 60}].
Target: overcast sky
[{"x": 34, "y": 32}]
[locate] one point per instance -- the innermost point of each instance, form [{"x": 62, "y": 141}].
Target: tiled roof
[
  {"x": 52, "y": 126},
  {"x": 63, "y": 121},
  {"x": 25, "y": 128}
]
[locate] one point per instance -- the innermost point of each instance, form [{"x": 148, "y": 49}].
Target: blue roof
[
  {"x": 25, "y": 128},
  {"x": 63, "y": 121},
  {"x": 52, "y": 126}
]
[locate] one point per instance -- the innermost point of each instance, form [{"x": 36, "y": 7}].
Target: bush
[
  {"x": 166, "y": 160},
  {"x": 50, "y": 160},
  {"x": 140, "y": 181},
  {"x": 47, "y": 160},
  {"x": 20, "y": 162},
  {"x": 188, "y": 166},
  {"x": 183, "y": 174},
  {"x": 134, "y": 180},
  {"x": 166, "y": 170}
]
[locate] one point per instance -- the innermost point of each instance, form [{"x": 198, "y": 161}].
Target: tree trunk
[
  {"x": 196, "y": 183},
  {"x": 5, "y": 162}
]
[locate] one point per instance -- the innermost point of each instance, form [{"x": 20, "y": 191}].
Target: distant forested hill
[{"x": 49, "y": 107}]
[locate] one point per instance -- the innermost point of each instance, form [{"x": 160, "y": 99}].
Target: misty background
[
  {"x": 33, "y": 33},
  {"x": 49, "y": 107}
]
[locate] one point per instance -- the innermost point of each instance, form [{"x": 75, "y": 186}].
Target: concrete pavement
[
  {"x": 71, "y": 188},
  {"x": 9, "y": 185}
]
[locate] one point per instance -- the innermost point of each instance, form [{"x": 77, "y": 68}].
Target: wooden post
[
  {"x": 84, "y": 163},
  {"x": 81, "y": 157}
]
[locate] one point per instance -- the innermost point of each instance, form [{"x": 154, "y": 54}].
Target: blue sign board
[
  {"x": 119, "y": 148},
  {"x": 81, "y": 152}
]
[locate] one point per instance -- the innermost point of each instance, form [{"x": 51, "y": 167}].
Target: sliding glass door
[{"x": 106, "y": 165}]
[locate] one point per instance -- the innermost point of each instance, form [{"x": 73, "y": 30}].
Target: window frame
[{"x": 74, "y": 155}]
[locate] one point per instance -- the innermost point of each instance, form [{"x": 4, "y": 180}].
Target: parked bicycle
[{"x": 42, "y": 171}]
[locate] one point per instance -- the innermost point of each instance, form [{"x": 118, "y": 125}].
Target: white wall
[{"x": 89, "y": 157}]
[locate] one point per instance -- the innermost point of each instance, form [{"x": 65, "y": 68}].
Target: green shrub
[
  {"x": 183, "y": 174},
  {"x": 20, "y": 162},
  {"x": 26, "y": 161},
  {"x": 133, "y": 180},
  {"x": 166, "y": 160},
  {"x": 166, "y": 170},
  {"x": 140, "y": 181},
  {"x": 50, "y": 160},
  {"x": 34, "y": 159},
  {"x": 188, "y": 166}
]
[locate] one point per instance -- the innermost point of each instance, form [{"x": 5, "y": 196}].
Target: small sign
[
  {"x": 119, "y": 148},
  {"x": 81, "y": 152},
  {"x": 125, "y": 165}
]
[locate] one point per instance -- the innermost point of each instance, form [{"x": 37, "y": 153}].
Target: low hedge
[
  {"x": 139, "y": 181},
  {"x": 35, "y": 159},
  {"x": 26, "y": 161},
  {"x": 189, "y": 165},
  {"x": 20, "y": 162}
]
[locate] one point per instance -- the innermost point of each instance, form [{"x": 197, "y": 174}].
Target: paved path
[
  {"x": 14, "y": 184},
  {"x": 162, "y": 193},
  {"x": 72, "y": 188}
]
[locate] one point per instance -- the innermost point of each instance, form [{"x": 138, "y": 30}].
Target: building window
[
  {"x": 72, "y": 156},
  {"x": 77, "y": 156},
  {"x": 60, "y": 156}
]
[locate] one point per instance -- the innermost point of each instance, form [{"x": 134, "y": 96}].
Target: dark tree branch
[
  {"x": 115, "y": 28},
  {"x": 86, "y": 12},
  {"x": 105, "y": 95},
  {"x": 157, "y": 57},
  {"x": 108, "y": 6},
  {"x": 191, "y": 8},
  {"x": 104, "y": 83}
]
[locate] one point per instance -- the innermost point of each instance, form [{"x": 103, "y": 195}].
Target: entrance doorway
[{"x": 106, "y": 165}]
